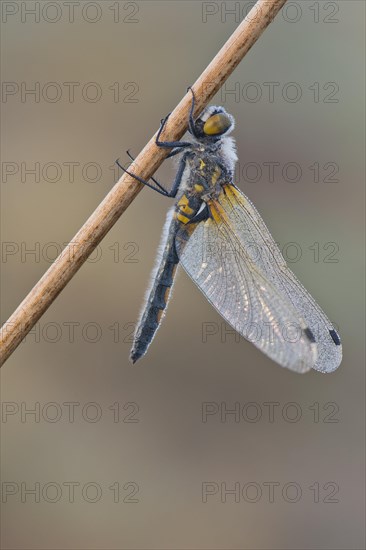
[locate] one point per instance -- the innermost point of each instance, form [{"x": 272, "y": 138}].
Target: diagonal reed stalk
[{"x": 126, "y": 189}]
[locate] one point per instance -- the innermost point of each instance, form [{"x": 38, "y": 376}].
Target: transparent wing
[
  {"x": 237, "y": 265},
  {"x": 221, "y": 267},
  {"x": 248, "y": 224}
]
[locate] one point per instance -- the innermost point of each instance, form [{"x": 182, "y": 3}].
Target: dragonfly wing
[
  {"x": 249, "y": 225},
  {"x": 243, "y": 219},
  {"x": 216, "y": 259}
]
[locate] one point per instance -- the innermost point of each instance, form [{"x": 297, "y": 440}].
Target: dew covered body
[{"x": 210, "y": 231}]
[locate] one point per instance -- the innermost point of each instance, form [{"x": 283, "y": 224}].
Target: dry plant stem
[{"x": 126, "y": 189}]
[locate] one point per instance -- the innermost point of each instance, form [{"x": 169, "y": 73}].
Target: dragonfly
[{"x": 217, "y": 235}]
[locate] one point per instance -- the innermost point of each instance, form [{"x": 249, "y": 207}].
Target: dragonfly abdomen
[
  {"x": 158, "y": 296},
  {"x": 188, "y": 205}
]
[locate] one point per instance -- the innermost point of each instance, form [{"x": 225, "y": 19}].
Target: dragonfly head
[{"x": 213, "y": 123}]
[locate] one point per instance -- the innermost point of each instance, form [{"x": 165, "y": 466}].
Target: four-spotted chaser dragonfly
[{"x": 217, "y": 235}]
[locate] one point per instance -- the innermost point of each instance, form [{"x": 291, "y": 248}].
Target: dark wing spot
[
  {"x": 310, "y": 335},
  {"x": 335, "y": 337}
]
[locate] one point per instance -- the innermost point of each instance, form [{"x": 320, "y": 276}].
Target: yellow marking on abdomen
[
  {"x": 186, "y": 209},
  {"x": 199, "y": 188},
  {"x": 183, "y": 206},
  {"x": 183, "y": 200},
  {"x": 182, "y": 218},
  {"x": 202, "y": 164}
]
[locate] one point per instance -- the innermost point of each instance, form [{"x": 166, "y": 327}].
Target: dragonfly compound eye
[{"x": 217, "y": 124}]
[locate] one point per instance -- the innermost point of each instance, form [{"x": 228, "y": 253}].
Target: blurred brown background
[{"x": 148, "y": 450}]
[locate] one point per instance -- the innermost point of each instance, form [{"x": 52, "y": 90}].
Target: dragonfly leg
[
  {"x": 176, "y": 183},
  {"x": 174, "y": 152},
  {"x": 191, "y": 124},
  {"x": 153, "y": 179},
  {"x": 192, "y": 127},
  {"x": 141, "y": 180},
  {"x": 177, "y": 147},
  {"x": 179, "y": 175},
  {"x": 169, "y": 144}
]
